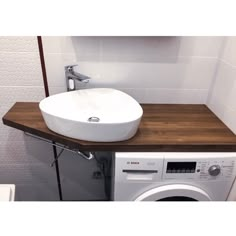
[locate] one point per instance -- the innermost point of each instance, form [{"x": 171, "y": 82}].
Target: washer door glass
[
  {"x": 174, "y": 192},
  {"x": 177, "y": 198}
]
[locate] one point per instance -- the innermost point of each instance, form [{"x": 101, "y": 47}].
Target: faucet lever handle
[{"x": 70, "y": 67}]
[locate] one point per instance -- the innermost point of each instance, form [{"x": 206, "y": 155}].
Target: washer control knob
[{"x": 214, "y": 170}]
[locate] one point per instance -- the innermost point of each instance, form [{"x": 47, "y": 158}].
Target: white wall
[
  {"x": 222, "y": 97},
  {"x": 23, "y": 161},
  {"x": 151, "y": 69}
]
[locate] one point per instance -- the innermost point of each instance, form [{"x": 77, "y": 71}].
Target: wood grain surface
[{"x": 162, "y": 128}]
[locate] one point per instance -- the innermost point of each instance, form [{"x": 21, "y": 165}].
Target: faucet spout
[
  {"x": 79, "y": 77},
  {"x": 72, "y": 75}
]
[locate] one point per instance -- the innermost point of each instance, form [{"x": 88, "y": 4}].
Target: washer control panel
[
  {"x": 216, "y": 169},
  {"x": 203, "y": 169}
]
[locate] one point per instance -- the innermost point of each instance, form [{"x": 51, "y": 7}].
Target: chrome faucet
[{"x": 71, "y": 76}]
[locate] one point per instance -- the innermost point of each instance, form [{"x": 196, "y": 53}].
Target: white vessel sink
[{"x": 99, "y": 115}]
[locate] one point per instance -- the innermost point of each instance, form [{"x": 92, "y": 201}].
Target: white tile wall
[
  {"x": 27, "y": 174},
  {"x": 55, "y": 63},
  {"x": 229, "y": 55},
  {"x": 135, "y": 49},
  {"x": 200, "y": 46},
  {"x": 18, "y": 44},
  {"x": 27, "y": 151},
  {"x": 168, "y": 96},
  {"x": 17, "y": 69},
  {"x": 184, "y": 74},
  {"x": 146, "y": 48},
  {"x": 151, "y": 69},
  {"x": 222, "y": 100},
  {"x": 23, "y": 161},
  {"x": 8, "y": 133},
  {"x": 10, "y": 94}
]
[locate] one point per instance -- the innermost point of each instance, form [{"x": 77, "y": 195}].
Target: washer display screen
[{"x": 181, "y": 167}]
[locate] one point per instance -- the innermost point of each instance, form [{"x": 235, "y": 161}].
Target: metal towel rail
[{"x": 90, "y": 155}]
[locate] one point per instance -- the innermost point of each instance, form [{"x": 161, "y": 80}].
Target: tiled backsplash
[
  {"x": 222, "y": 99},
  {"x": 151, "y": 69}
]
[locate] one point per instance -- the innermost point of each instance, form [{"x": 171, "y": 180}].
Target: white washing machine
[{"x": 156, "y": 176}]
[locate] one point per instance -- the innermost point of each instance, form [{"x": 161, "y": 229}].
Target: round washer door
[{"x": 174, "y": 192}]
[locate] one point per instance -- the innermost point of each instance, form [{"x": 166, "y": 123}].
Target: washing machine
[{"x": 157, "y": 176}]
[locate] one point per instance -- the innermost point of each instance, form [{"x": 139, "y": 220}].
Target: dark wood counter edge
[
  {"x": 118, "y": 146},
  {"x": 121, "y": 146}
]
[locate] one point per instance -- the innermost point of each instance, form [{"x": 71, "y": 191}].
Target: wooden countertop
[{"x": 162, "y": 128}]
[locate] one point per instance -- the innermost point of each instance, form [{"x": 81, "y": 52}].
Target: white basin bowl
[{"x": 99, "y": 115}]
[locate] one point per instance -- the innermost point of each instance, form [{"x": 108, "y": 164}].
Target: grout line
[
  {"x": 164, "y": 57},
  {"x": 20, "y": 86},
  {"x": 213, "y": 81},
  {"x": 16, "y": 52},
  {"x": 227, "y": 63}
]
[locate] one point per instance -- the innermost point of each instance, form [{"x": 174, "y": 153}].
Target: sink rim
[{"x": 139, "y": 109}]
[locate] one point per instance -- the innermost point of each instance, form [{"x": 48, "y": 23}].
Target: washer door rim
[{"x": 172, "y": 190}]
